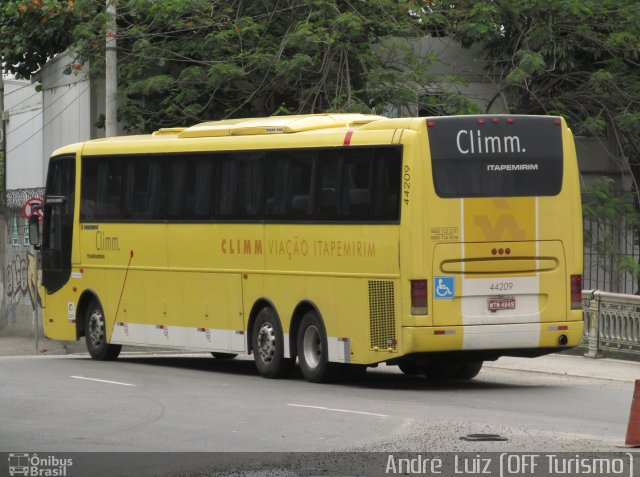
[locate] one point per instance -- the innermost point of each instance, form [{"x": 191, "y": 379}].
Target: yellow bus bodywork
[{"x": 195, "y": 286}]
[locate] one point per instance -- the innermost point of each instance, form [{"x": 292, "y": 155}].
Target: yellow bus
[{"x": 339, "y": 240}]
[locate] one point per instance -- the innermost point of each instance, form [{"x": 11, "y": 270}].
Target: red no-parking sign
[{"x": 28, "y": 208}]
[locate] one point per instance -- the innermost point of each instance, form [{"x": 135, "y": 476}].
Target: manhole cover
[{"x": 483, "y": 437}]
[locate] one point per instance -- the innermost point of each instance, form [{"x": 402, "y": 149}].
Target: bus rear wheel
[
  {"x": 268, "y": 346},
  {"x": 461, "y": 370},
  {"x": 313, "y": 352},
  {"x": 96, "y": 335}
]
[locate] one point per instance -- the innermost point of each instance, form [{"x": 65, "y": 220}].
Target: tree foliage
[
  {"x": 577, "y": 58},
  {"x": 32, "y": 31},
  {"x": 184, "y": 61}
]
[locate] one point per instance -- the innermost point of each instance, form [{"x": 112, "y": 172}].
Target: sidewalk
[
  {"x": 24, "y": 346},
  {"x": 571, "y": 365}
]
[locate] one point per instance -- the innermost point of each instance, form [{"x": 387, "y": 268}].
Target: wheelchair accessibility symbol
[{"x": 444, "y": 287}]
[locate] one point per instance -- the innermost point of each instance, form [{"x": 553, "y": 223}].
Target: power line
[
  {"x": 17, "y": 105},
  {"x": 42, "y": 110},
  {"x": 61, "y": 68},
  {"x": 50, "y": 121}
]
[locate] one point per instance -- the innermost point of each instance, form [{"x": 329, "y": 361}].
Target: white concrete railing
[{"x": 612, "y": 322}]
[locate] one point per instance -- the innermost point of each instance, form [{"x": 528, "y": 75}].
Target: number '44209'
[
  {"x": 406, "y": 184},
  {"x": 501, "y": 286}
]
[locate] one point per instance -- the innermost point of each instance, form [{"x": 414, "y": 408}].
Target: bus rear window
[{"x": 496, "y": 156}]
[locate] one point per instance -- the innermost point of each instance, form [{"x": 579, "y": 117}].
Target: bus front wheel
[
  {"x": 313, "y": 352},
  {"x": 268, "y": 346},
  {"x": 96, "y": 335},
  {"x": 462, "y": 370}
]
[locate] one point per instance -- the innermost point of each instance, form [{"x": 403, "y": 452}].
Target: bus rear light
[
  {"x": 557, "y": 121},
  {"x": 481, "y": 121},
  {"x": 495, "y": 120},
  {"x": 500, "y": 251},
  {"x": 509, "y": 120},
  {"x": 431, "y": 124},
  {"x": 418, "y": 297},
  {"x": 576, "y": 292}
]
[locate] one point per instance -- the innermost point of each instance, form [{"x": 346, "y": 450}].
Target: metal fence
[
  {"x": 612, "y": 322},
  {"x": 611, "y": 256}
]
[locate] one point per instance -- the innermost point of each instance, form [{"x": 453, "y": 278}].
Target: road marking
[
  {"x": 102, "y": 381},
  {"x": 338, "y": 410}
]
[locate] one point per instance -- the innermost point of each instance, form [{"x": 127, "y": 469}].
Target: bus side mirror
[{"x": 34, "y": 230}]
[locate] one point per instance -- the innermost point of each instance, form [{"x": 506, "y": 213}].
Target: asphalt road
[{"x": 197, "y": 403}]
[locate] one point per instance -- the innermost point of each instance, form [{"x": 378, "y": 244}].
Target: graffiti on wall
[
  {"x": 22, "y": 279},
  {"x": 19, "y": 290},
  {"x": 16, "y": 198}
]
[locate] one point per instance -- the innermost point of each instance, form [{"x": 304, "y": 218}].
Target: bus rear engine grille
[{"x": 382, "y": 318}]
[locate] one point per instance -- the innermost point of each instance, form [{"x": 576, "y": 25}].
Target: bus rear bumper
[{"x": 522, "y": 338}]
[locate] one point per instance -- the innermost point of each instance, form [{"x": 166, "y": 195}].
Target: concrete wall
[
  {"x": 70, "y": 105},
  {"x": 26, "y": 166},
  {"x": 39, "y": 123},
  {"x": 18, "y": 287}
]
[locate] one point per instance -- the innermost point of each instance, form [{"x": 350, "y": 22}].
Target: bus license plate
[{"x": 502, "y": 303}]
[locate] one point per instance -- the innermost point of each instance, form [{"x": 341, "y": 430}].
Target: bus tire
[
  {"x": 470, "y": 369},
  {"x": 313, "y": 352},
  {"x": 268, "y": 346},
  {"x": 217, "y": 355},
  {"x": 96, "y": 336},
  {"x": 462, "y": 370}
]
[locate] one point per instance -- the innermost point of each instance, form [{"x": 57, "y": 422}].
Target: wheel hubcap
[
  {"x": 96, "y": 329},
  {"x": 266, "y": 342},
  {"x": 312, "y": 347}
]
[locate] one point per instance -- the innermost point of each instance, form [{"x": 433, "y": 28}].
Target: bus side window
[
  {"x": 275, "y": 184},
  {"x": 144, "y": 189},
  {"x": 358, "y": 184},
  {"x": 226, "y": 185},
  {"x": 202, "y": 188},
  {"x": 176, "y": 187},
  {"x": 386, "y": 183},
  {"x": 344, "y": 192},
  {"x": 288, "y": 184},
  {"x": 329, "y": 179},
  {"x": 190, "y": 186},
  {"x": 110, "y": 191},
  {"x": 250, "y": 185},
  {"x": 89, "y": 190},
  {"x": 300, "y": 185}
]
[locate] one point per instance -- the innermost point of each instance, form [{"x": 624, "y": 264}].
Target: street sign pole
[
  {"x": 36, "y": 311},
  {"x": 34, "y": 207}
]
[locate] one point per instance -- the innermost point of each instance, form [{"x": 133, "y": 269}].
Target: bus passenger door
[{"x": 58, "y": 223}]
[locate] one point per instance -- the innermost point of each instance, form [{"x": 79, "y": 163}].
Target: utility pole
[
  {"x": 111, "y": 71},
  {"x": 3, "y": 143}
]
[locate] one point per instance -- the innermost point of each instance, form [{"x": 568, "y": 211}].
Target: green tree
[
  {"x": 32, "y": 31},
  {"x": 184, "y": 61},
  {"x": 576, "y": 58}
]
